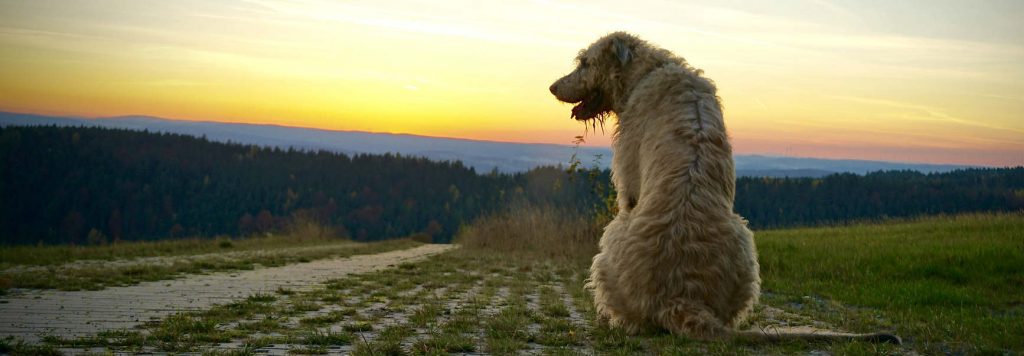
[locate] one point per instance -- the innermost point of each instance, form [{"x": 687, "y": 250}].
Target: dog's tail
[{"x": 774, "y": 336}]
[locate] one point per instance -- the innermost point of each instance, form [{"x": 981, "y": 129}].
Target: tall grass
[{"x": 532, "y": 231}]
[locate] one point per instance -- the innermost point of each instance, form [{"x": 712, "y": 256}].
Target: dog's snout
[{"x": 554, "y": 88}]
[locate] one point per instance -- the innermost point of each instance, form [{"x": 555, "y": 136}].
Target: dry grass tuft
[{"x": 538, "y": 232}]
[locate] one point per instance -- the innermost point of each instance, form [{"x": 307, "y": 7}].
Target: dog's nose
[{"x": 553, "y": 88}]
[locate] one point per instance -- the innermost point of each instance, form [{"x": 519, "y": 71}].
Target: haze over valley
[{"x": 484, "y": 156}]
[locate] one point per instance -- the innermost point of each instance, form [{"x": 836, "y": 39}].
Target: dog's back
[{"x": 673, "y": 157}]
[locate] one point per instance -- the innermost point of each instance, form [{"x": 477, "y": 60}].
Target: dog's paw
[{"x": 630, "y": 328}]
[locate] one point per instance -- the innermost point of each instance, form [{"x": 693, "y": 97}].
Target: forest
[
  {"x": 84, "y": 185},
  {"x": 842, "y": 198}
]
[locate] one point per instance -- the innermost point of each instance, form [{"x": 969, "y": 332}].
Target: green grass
[
  {"x": 322, "y": 338},
  {"x": 45, "y": 255},
  {"x": 94, "y": 276},
  {"x": 332, "y": 317},
  {"x": 360, "y": 326},
  {"x": 9, "y": 346},
  {"x": 947, "y": 285}
]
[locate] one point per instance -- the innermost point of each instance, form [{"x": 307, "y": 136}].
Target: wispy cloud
[
  {"x": 928, "y": 113},
  {"x": 384, "y": 16},
  {"x": 828, "y": 70}
]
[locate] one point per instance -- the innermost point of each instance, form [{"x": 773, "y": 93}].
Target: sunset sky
[{"x": 924, "y": 81}]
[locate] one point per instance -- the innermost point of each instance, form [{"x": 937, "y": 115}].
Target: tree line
[
  {"x": 839, "y": 198},
  {"x": 65, "y": 184},
  {"x": 84, "y": 184}
]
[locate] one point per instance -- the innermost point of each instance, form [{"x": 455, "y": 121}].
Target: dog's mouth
[{"x": 591, "y": 107}]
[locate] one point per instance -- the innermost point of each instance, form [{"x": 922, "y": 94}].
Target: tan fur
[{"x": 676, "y": 257}]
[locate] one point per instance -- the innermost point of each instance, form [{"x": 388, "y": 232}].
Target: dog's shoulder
[{"x": 672, "y": 82}]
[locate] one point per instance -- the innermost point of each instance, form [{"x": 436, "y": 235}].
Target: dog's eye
[{"x": 584, "y": 64}]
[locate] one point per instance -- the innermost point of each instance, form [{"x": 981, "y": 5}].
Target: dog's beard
[{"x": 592, "y": 109}]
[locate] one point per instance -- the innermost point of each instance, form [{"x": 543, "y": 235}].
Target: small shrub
[
  {"x": 96, "y": 238},
  {"x": 225, "y": 244},
  {"x": 422, "y": 237}
]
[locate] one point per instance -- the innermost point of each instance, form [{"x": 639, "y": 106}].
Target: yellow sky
[{"x": 927, "y": 81}]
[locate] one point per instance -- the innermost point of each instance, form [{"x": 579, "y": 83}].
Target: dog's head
[{"x": 596, "y": 83}]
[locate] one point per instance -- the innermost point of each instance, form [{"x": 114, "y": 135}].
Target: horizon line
[{"x": 208, "y": 121}]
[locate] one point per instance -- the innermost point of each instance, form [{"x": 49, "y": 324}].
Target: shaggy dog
[{"x": 676, "y": 256}]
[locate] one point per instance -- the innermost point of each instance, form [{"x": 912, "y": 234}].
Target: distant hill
[{"x": 483, "y": 156}]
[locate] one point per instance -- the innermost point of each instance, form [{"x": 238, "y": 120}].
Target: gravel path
[{"x": 30, "y": 314}]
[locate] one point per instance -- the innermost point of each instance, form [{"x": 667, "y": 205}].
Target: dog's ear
[{"x": 622, "y": 51}]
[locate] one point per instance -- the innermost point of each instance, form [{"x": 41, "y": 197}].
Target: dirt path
[{"x": 30, "y": 314}]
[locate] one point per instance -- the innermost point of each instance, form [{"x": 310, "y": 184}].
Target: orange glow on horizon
[{"x": 797, "y": 78}]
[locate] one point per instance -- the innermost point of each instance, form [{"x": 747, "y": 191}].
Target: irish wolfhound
[{"x": 676, "y": 256}]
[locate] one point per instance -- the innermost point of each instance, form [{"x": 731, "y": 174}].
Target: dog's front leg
[
  {"x": 604, "y": 272},
  {"x": 597, "y": 283}
]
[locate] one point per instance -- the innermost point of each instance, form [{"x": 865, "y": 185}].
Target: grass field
[
  {"x": 68, "y": 267},
  {"x": 947, "y": 285}
]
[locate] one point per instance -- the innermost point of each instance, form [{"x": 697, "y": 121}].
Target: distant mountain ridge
[{"x": 484, "y": 156}]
